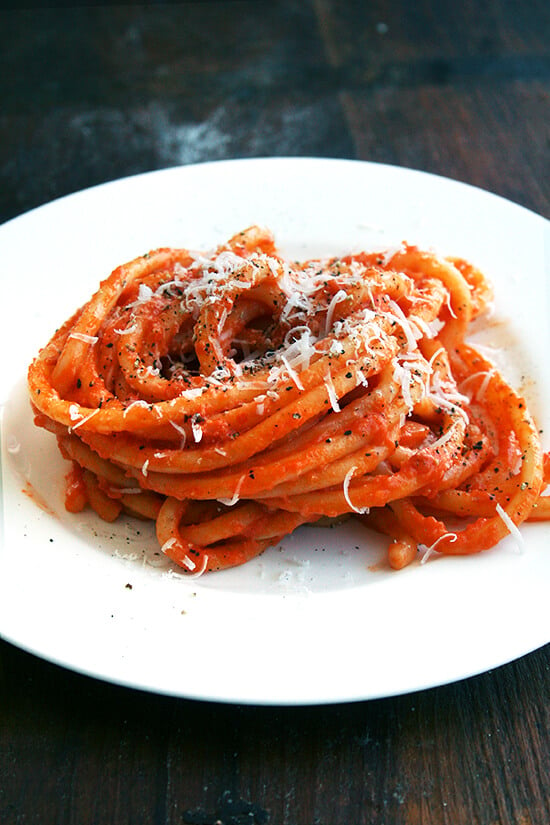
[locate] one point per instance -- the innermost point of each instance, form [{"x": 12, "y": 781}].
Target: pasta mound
[{"x": 232, "y": 396}]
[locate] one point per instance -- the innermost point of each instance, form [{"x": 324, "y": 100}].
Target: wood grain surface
[{"x": 92, "y": 92}]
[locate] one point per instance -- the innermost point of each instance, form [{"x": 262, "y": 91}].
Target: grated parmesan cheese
[
  {"x": 398, "y": 316},
  {"x": 82, "y": 336},
  {"x": 199, "y": 570},
  {"x": 292, "y": 374},
  {"x": 126, "y": 331},
  {"x": 181, "y": 431},
  {"x": 513, "y": 528},
  {"x": 428, "y": 551},
  {"x": 83, "y": 420},
  {"x": 195, "y": 392},
  {"x": 230, "y": 502},
  {"x": 443, "y": 439},
  {"x": 331, "y": 392},
  {"x": 196, "y": 429},
  {"x": 347, "y": 480},
  {"x": 145, "y": 293},
  {"x": 341, "y": 295},
  {"x": 168, "y": 544}
]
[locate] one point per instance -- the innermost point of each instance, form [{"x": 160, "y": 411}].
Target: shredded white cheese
[
  {"x": 195, "y": 392},
  {"x": 82, "y": 336},
  {"x": 397, "y": 316},
  {"x": 139, "y": 403},
  {"x": 181, "y": 431},
  {"x": 230, "y": 502},
  {"x": 347, "y": 479},
  {"x": 126, "y": 331},
  {"x": 331, "y": 392},
  {"x": 196, "y": 429},
  {"x": 443, "y": 439},
  {"x": 292, "y": 374},
  {"x": 168, "y": 544},
  {"x": 83, "y": 420},
  {"x": 341, "y": 295},
  {"x": 428, "y": 551},
  {"x": 482, "y": 389},
  {"x": 200, "y": 570},
  {"x": 514, "y": 531}
]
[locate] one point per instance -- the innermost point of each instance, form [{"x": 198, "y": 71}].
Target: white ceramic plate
[{"x": 320, "y": 619}]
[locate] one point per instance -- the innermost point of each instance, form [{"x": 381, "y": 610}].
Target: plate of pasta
[{"x": 273, "y": 431}]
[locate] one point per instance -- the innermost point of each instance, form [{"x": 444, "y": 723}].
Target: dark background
[
  {"x": 96, "y": 92},
  {"x": 93, "y": 92}
]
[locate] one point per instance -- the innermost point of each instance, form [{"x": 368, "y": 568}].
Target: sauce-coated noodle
[{"x": 233, "y": 396}]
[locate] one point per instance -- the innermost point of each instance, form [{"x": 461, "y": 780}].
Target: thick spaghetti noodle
[{"x": 234, "y": 396}]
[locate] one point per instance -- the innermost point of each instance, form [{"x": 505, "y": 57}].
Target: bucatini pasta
[{"x": 232, "y": 396}]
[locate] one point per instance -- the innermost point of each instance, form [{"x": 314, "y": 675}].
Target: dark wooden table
[{"x": 93, "y": 92}]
